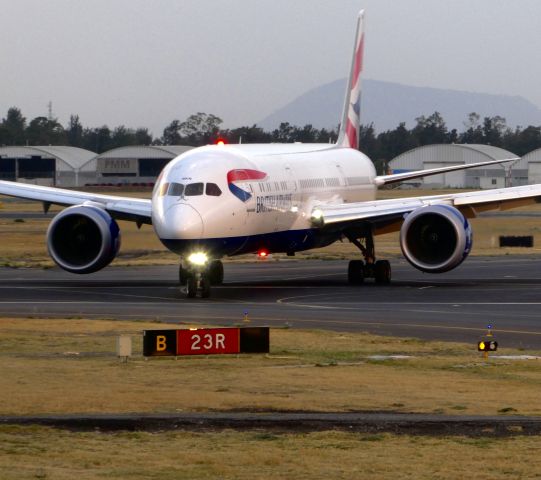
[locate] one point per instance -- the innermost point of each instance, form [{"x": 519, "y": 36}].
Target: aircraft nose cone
[{"x": 182, "y": 221}]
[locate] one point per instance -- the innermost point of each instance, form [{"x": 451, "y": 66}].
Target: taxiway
[{"x": 502, "y": 291}]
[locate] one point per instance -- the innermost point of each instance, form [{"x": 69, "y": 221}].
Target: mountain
[{"x": 387, "y": 104}]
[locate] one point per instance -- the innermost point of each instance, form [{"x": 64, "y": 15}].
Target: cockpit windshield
[
  {"x": 175, "y": 190},
  {"x": 190, "y": 190},
  {"x": 194, "y": 189},
  {"x": 213, "y": 190}
]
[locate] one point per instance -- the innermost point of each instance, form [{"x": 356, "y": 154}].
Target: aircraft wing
[
  {"x": 121, "y": 208},
  {"x": 400, "y": 177},
  {"x": 387, "y": 215}
]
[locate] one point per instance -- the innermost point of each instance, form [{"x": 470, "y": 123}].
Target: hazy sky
[{"x": 145, "y": 63}]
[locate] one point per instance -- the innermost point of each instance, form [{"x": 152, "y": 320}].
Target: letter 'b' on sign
[{"x": 159, "y": 343}]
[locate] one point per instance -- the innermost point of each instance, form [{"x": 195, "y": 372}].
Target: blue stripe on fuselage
[{"x": 276, "y": 242}]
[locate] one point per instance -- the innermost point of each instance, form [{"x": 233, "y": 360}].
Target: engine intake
[
  {"x": 436, "y": 238},
  {"x": 83, "y": 239}
]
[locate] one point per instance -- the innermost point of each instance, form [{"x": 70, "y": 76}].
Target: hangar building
[
  {"x": 436, "y": 156},
  {"x": 129, "y": 165},
  {"x": 533, "y": 160},
  {"x": 51, "y": 166}
]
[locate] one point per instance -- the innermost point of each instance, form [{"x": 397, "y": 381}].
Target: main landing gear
[
  {"x": 358, "y": 270},
  {"x": 200, "y": 278}
]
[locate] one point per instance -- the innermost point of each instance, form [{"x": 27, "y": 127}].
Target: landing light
[
  {"x": 317, "y": 215},
  {"x": 198, "y": 258},
  {"x": 220, "y": 142},
  {"x": 262, "y": 254}
]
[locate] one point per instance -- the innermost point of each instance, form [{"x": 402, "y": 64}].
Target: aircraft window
[
  {"x": 176, "y": 190},
  {"x": 163, "y": 189},
  {"x": 213, "y": 190},
  {"x": 194, "y": 189}
]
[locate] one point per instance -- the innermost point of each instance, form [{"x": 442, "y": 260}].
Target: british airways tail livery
[{"x": 224, "y": 200}]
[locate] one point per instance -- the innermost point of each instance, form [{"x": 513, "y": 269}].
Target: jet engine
[
  {"x": 436, "y": 238},
  {"x": 83, "y": 239}
]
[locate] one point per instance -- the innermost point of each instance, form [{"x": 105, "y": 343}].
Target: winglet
[{"x": 349, "y": 127}]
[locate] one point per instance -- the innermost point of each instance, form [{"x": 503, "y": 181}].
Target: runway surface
[{"x": 502, "y": 291}]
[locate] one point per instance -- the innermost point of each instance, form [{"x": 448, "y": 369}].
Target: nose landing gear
[{"x": 198, "y": 279}]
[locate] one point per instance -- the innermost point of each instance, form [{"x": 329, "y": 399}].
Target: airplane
[{"x": 224, "y": 200}]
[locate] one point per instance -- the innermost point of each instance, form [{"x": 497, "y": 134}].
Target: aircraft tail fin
[{"x": 349, "y": 127}]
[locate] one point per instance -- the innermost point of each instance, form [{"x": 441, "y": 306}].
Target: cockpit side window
[
  {"x": 163, "y": 189},
  {"x": 213, "y": 190},
  {"x": 176, "y": 190},
  {"x": 194, "y": 189}
]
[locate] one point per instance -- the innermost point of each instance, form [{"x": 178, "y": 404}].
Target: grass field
[
  {"x": 69, "y": 366},
  {"x": 42, "y": 453}
]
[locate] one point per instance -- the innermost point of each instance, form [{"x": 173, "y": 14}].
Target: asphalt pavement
[{"x": 456, "y": 306}]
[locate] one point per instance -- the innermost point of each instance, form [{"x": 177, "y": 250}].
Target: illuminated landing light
[
  {"x": 198, "y": 258},
  {"x": 317, "y": 217},
  {"x": 317, "y": 214},
  {"x": 220, "y": 142},
  {"x": 263, "y": 254}
]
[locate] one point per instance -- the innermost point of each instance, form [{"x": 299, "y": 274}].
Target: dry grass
[
  {"x": 68, "y": 366},
  {"x": 37, "y": 452}
]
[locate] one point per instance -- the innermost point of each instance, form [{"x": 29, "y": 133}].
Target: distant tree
[
  {"x": 368, "y": 143},
  {"x": 253, "y": 134},
  {"x": 494, "y": 129},
  {"x": 394, "y": 142},
  {"x": 122, "y": 137},
  {"x": 97, "y": 139},
  {"x": 74, "y": 132},
  {"x": 143, "y": 137},
  {"x": 45, "y": 131},
  {"x": 326, "y": 136},
  {"x": 524, "y": 141},
  {"x": 285, "y": 133},
  {"x": 431, "y": 130},
  {"x": 474, "y": 132},
  {"x": 171, "y": 135},
  {"x": 200, "y": 128},
  {"x": 14, "y": 126}
]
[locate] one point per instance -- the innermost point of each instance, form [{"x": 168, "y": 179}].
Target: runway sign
[{"x": 206, "y": 341}]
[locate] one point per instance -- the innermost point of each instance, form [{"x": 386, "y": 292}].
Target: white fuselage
[{"x": 234, "y": 199}]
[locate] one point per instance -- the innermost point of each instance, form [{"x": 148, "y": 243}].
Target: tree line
[{"x": 202, "y": 128}]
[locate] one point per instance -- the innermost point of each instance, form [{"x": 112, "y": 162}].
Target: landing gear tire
[
  {"x": 183, "y": 275},
  {"x": 356, "y": 272},
  {"x": 215, "y": 272},
  {"x": 382, "y": 272},
  {"x": 191, "y": 286},
  {"x": 204, "y": 284}
]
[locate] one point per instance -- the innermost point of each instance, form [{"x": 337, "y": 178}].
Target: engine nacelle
[
  {"x": 436, "y": 238},
  {"x": 83, "y": 239}
]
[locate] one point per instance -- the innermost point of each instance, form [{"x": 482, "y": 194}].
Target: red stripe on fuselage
[{"x": 244, "y": 174}]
